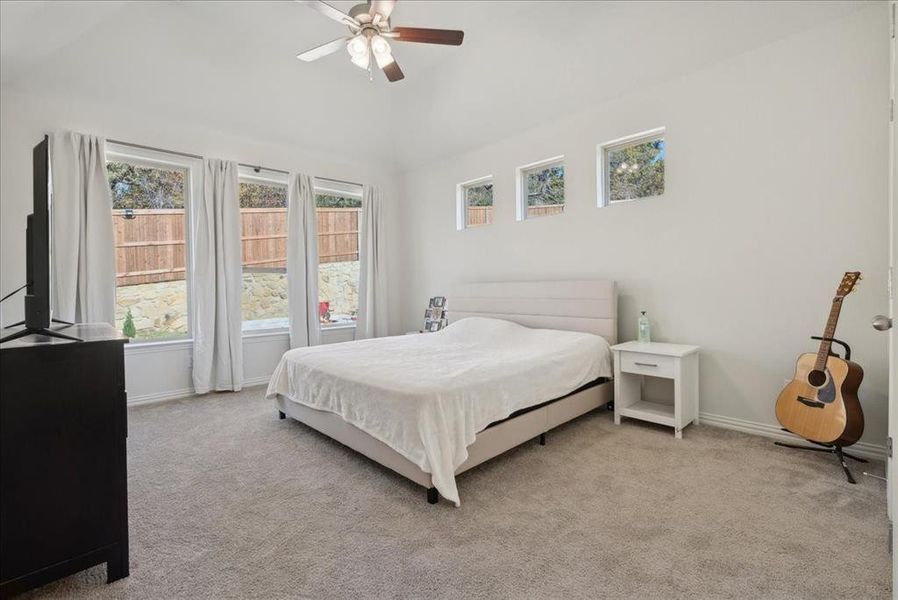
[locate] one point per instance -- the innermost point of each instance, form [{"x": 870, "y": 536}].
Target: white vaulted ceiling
[{"x": 232, "y": 66}]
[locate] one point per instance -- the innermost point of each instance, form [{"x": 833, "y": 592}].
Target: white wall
[
  {"x": 153, "y": 371},
  {"x": 776, "y": 185}
]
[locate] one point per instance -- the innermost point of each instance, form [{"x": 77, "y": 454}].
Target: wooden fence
[
  {"x": 483, "y": 215},
  {"x": 150, "y": 247}
]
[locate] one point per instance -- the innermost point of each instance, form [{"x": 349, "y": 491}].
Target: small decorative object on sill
[
  {"x": 435, "y": 317},
  {"x": 128, "y": 328},
  {"x": 645, "y": 329}
]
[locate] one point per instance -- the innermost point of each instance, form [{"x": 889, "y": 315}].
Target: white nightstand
[{"x": 679, "y": 362}]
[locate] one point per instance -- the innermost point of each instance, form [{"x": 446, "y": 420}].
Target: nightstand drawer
[{"x": 648, "y": 364}]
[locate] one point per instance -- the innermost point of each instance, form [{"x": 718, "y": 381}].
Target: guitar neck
[{"x": 830, "y": 331}]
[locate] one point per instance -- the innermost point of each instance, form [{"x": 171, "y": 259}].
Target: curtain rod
[{"x": 256, "y": 168}]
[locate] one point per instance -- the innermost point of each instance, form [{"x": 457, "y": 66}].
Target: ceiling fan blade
[
  {"x": 329, "y": 11},
  {"x": 323, "y": 50},
  {"x": 449, "y": 37},
  {"x": 381, "y": 7},
  {"x": 393, "y": 72}
]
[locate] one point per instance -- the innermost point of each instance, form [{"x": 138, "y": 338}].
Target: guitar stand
[
  {"x": 844, "y": 345},
  {"x": 832, "y": 449}
]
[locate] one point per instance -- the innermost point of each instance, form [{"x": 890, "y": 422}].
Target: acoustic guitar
[{"x": 820, "y": 403}]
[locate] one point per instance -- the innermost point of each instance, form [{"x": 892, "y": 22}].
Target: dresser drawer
[{"x": 648, "y": 364}]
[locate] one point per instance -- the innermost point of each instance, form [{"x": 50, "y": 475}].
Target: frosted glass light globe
[
  {"x": 379, "y": 45},
  {"x": 357, "y": 46}
]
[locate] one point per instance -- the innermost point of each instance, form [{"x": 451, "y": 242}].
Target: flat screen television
[
  {"x": 37, "y": 239},
  {"x": 37, "y": 254}
]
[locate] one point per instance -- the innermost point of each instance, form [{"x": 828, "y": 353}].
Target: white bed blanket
[{"x": 427, "y": 396}]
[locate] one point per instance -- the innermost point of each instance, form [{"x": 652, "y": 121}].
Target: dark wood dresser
[{"x": 63, "y": 474}]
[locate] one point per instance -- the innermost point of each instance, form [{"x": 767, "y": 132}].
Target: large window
[
  {"x": 632, "y": 168},
  {"x": 475, "y": 202},
  {"x": 149, "y": 197},
  {"x": 540, "y": 188},
  {"x": 339, "y": 214},
  {"x": 263, "y": 233}
]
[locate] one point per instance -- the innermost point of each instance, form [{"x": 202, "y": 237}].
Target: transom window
[
  {"x": 339, "y": 208},
  {"x": 632, "y": 168},
  {"x": 540, "y": 188},
  {"x": 150, "y": 192},
  {"x": 474, "y": 201},
  {"x": 263, "y": 236}
]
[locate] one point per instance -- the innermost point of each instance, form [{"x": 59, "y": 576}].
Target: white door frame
[{"x": 892, "y": 464}]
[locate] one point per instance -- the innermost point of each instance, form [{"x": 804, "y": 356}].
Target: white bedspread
[{"x": 426, "y": 396}]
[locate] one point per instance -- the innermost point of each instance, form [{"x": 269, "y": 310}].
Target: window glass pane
[
  {"x": 338, "y": 258},
  {"x": 479, "y": 205},
  {"x": 263, "y": 225},
  {"x": 545, "y": 191},
  {"x": 636, "y": 171},
  {"x": 150, "y": 250}
]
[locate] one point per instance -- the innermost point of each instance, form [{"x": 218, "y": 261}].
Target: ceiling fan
[{"x": 370, "y": 28}]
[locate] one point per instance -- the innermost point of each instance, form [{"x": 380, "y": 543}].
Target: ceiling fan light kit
[{"x": 369, "y": 26}]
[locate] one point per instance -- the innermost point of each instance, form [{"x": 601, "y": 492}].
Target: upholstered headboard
[{"x": 584, "y": 305}]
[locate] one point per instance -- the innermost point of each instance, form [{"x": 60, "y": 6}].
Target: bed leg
[
  {"x": 281, "y": 415},
  {"x": 432, "y": 496},
  {"x": 542, "y": 439}
]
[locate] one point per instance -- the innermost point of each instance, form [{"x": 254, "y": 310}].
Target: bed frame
[{"x": 586, "y": 305}]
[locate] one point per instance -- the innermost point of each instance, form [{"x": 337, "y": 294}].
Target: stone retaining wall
[{"x": 159, "y": 310}]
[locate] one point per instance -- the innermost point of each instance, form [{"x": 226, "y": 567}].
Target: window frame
[
  {"x": 146, "y": 157},
  {"x": 350, "y": 190},
  {"x": 521, "y": 208},
  {"x": 461, "y": 206},
  {"x": 603, "y": 172},
  {"x": 262, "y": 176}
]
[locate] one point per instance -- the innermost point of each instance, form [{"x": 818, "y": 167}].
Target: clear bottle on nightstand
[{"x": 645, "y": 329}]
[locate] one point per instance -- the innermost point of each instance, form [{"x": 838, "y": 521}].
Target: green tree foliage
[
  {"x": 334, "y": 201},
  {"x": 637, "y": 171},
  {"x": 128, "y": 329},
  {"x": 262, "y": 195},
  {"x": 546, "y": 187},
  {"x": 145, "y": 187},
  {"x": 480, "y": 195}
]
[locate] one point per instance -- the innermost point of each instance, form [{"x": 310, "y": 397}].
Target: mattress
[{"x": 427, "y": 396}]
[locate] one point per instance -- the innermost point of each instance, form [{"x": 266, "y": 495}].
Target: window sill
[
  {"x": 337, "y": 328},
  {"x": 160, "y": 346},
  {"x": 265, "y": 333}
]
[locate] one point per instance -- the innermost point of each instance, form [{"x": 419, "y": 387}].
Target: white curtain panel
[
  {"x": 302, "y": 262},
  {"x": 373, "y": 319},
  {"x": 83, "y": 244},
  {"x": 217, "y": 281}
]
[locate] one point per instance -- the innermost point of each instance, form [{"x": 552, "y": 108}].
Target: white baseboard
[
  {"x": 159, "y": 397},
  {"x": 186, "y": 392},
  {"x": 863, "y": 449}
]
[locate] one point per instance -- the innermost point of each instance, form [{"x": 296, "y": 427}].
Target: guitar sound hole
[{"x": 816, "y": 378}]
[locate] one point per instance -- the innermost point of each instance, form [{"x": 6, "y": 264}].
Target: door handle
[{"x": 882, "y": 323}]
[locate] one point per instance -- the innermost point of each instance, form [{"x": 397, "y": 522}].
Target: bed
[{"x": 519, "y": 359}]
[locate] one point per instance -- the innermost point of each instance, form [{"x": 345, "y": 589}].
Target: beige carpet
[{"x": 226, "y": 501}]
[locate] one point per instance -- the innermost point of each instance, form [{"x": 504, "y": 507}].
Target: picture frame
[
  {"x": 438, "y": 301},
  {"x": 433, "y": 326}
]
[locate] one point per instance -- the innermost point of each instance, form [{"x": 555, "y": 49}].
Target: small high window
[
  {"x": 540, "y": 188},
  {"x": 475, "y": 202},
  {"x": 632, "y": 168}
]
